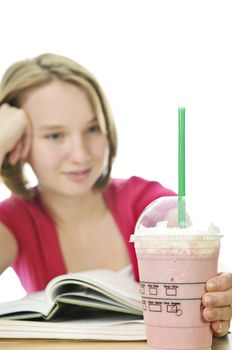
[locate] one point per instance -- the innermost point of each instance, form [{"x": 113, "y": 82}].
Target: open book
[{"x": 96, "y": 304}]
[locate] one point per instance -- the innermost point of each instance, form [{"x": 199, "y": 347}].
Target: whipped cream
[{"x": 162, "y": 231}]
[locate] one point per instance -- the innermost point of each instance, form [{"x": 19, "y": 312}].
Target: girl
[{"x": 55, "y": 117}]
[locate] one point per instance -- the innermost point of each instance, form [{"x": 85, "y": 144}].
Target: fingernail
[
  {"x": 219, "y": 327},
  {"x": 209, "y": 300},
  {"x": 209, "y": 315},
  {"x": 212, "y": 285}
]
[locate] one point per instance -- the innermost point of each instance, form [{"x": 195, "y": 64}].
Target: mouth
[{"x": 79, "y": 175}]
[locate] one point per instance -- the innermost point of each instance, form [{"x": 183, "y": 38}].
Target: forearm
[{"x": 14, "y": 134}]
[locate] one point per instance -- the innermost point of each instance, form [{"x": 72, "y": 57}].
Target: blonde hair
[{"x": 40, "y": 70}]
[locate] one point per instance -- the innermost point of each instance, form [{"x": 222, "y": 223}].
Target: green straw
[{"x": 181, "y": 167}]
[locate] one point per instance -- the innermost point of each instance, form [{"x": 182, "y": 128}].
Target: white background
[{"x": 150, "y": 57}]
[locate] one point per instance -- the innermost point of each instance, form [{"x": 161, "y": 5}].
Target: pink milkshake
[{"x": 174, "y": 265}]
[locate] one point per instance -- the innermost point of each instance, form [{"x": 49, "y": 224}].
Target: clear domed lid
[
  {"x": 170, "y": 216},
  {"x": 164, "y": 212}
]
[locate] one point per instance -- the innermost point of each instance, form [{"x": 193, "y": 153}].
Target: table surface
[{"x": 224, "y": 343}]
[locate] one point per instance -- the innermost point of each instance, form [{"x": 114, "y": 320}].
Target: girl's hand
[
  {"x": 15, "y": 133},
  {"x": 218, "y": 303}
]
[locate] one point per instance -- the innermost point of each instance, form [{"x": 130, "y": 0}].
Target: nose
[{"x": 78, "y": 151}]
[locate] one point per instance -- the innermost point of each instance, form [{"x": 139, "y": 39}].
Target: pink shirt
[{"x": 40, "y": 257}]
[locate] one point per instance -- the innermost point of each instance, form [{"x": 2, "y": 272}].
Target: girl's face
[{"x": 69, "y": 151}]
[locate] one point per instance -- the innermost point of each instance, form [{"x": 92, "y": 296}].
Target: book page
[
  {"x": 115, "y": 285},
  {"x": 32, "y": 305},
  {"x": 96, "y": 289},
  {"x": 100, "y": 328}
]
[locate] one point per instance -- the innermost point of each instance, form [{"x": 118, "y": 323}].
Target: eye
[
  {"x": 55, "y": 136},
  {"x": 94, "y": 128}
]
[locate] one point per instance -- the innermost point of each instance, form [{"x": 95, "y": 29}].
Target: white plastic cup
[{"x": 173, "y": 270}]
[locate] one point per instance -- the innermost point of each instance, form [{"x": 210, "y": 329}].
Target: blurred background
[{"x": 151, "y": 57}]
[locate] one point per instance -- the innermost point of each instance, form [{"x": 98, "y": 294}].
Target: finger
[
  {"x": 26, "y": 145},
  {"x": 217, "y": 313},
  {"x": 27, "y": 139},
  {"x": 223, "y": 281},
  {"x": 220, "y": 328},
  {"x": 217, "y": 299},
  {"x": 15, "y": 154}
]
